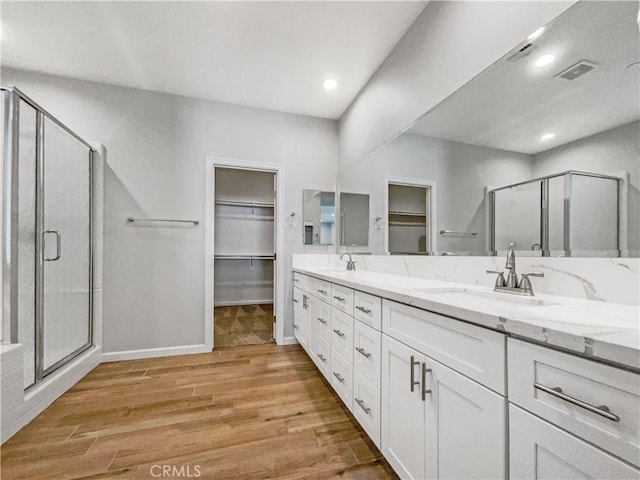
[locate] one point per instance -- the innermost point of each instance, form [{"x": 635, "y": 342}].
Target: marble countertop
[{"x": 599, "y": 330}]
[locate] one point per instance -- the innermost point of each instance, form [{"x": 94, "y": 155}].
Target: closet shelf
[
  {"x": 407, "y": 224},
  {"x": 408, "y": 214},
  {"x": 244, "y": 257},
  {"x": 236, "y": 203},
  {"x": 241, "y": 216},
  {"x": 244, "y": 283}
]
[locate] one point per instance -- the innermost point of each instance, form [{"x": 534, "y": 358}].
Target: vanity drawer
[
  {"x": 301, "y": 281},
  {"x": 320, "y": 320},
  {"x": 366, "y": 406},
  {"x": 366, "y": 352},
  {"x": 342, "y": 298},
  {"x": 535, "y": 375},
  {"x": 342, "y": 334},
  {"x": 342, "y": 378},
  {"x": 321, "y": 289},
  {"x": 321, "y": 355},
  {"x": 368, "y": 309},
  {"x": 476, "y": 352}
]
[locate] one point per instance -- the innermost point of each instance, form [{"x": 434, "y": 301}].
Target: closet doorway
[
  {"x": 410, "y": 208},
  {"x": 244, "y": 256}
]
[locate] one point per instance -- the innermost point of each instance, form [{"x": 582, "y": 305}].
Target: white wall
[
  {"x": 609, "y": 152},
  {"x": 448, "y": 45},
  {"x": 158, "y": 144},
  {"x": 461, "y": 172}
]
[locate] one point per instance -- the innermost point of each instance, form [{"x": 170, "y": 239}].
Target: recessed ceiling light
[
  {"x": 535, "y": 34},
  {"x": 330, "y": 84},
  {"x": 545, "y": 60},
  {"x": 547, "y": 136}
]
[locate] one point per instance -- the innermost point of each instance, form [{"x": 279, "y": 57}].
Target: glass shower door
[{"x": 65, "y": 281}]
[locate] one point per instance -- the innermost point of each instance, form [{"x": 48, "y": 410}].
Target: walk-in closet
[
  {"x": 408, "y": 219},
  {"x": 244, "y": 257}
]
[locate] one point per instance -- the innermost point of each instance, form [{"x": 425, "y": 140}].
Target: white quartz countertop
[{"x": 600, "y": 330}]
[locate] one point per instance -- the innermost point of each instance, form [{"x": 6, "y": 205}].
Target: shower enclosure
[
  {"x": 567, "y": 214},
  {"x": 47, "y": 237}
]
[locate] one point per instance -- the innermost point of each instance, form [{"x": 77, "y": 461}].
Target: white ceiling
[
  {"x": 272, "y": 55},
  {"x": 511, "y": 105}
]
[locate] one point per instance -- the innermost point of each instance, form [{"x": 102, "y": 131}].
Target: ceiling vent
[
  {"x": 577, "y": 70},
  {"x": 522, "y": 52}
]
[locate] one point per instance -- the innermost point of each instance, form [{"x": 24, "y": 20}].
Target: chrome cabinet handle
[
  {"x": 323, "y": 292},
  {"x": 363, "y": 310},
  {"x": 296, "y": 280},
  {"x": 295, "y": 300},
  {"x": 340, "y": 299},
  {"x": 338, "y": 332},
  {"x": 339, "y": 377},
  {"x": 295, "y": 327},
  {"x": 413, "y": 364},
  {"x": 601, "y": 410},
  {"x": 425, "y": 370},
  {"x": 363, "y": 406},
  {"x": 58, "y": 245},
  {"x": 322, "y": 357},
  {"x": 322, "y": 321},
  {"x": 305, "y": 302},
  {"x": 362, "y": 352}
]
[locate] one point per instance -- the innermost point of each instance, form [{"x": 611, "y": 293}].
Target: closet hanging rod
[
  {"x": 235, "y": 203},
  {"x": 244, "y": 257},
  {"x": 407, "y": 214},
  {"x": 131, "y": 220},
  {"x": 453, "y": 232}
]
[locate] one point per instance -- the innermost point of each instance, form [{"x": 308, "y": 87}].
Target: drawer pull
[
  {"x": 339, "y": 377},
  {"x": 601, "y": 410},
  {"x": 362, "y": 352},
  {"x": 363, "y": 406},
  {"x": 413, "y": 364},
  {"x": 340, "y": 299},
  {"x": 425, "y": 370},
  {"x": 322, "y": 321},
  {"x": 295, "y": 300},
  {"x": 363, "y": 310},
  {"x": 295, "y": 327},
  {"x": 323, "y": 292},
  {"x": 296, "y": 280},
  {"x": 338, "y": 332},
  {"x": 322, "y": 357}
]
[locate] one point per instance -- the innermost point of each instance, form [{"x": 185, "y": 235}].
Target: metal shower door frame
[{"x": 10, "y": 227}]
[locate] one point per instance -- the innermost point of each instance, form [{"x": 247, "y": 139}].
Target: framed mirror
[
  {"x": 319, "y": 217},
  {"x": 541, "y": 149}
]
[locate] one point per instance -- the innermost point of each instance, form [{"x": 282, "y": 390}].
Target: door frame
[
  {"x": 209, "y": 247},
  {"x": 432, "y": 208}
]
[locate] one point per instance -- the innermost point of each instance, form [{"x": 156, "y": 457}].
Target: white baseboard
[
  {"x": 154, "y": 352},
  {"x": 288, "y": 341}
]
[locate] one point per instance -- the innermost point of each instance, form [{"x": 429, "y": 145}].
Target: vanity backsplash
[{"x": 615, "y": 280}]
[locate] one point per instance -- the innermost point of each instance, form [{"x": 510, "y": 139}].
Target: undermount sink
[{"x": 485, "y": 297}]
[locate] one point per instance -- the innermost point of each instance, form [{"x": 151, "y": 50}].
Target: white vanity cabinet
[
  {"x": 301, "y": 317},
  {"x": 437, "y": 423}
]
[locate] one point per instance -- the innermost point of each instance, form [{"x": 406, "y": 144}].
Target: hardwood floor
[
  {"x": 243, "y": 325},
  {"x": 248, "y": 412}
]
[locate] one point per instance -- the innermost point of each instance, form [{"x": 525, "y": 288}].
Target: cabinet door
[
  {"x": 540, "y": 450},
  {"x": 466, "y": 426},
  {"x": 300, "y": 316},
  {"x": 403, "y": 411}
]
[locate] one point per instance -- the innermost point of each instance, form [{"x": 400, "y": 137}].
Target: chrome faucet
[
  {"x": 511, "y": 284},
  {"x": 351, "y": 265}
]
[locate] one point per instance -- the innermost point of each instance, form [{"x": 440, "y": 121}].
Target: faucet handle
[
  {"x": 525, "y": 284},
  {"x": 500, "y": 281}
]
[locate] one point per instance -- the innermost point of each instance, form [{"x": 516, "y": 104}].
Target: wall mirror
[
  {"x": 541, "y": 149},
  {"x": 319, "y": 217},
  {"x": 354, "y": 219}
]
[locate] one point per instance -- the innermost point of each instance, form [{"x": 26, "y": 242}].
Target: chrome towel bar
[{"x": 131, "y": 220}]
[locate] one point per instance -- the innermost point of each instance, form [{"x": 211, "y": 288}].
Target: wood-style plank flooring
[
  {"x": 248, "y": 412},
  {"x": 242, "y": 325}
]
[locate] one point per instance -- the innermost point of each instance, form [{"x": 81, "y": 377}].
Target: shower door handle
[{"x": 58, "y": 245}]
